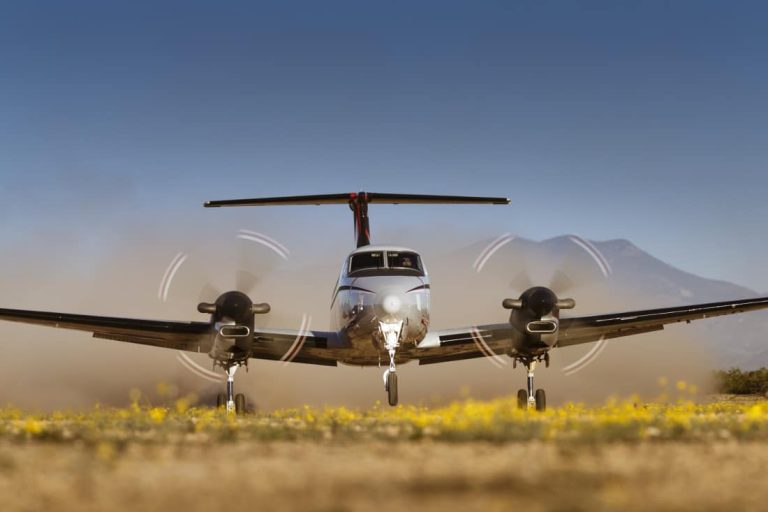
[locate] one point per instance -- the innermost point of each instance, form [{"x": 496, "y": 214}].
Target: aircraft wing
[
  {"x": 577, "y": 330},
  {"x": 313, "y": 347},
  {"x": 190, "y": 336},
  {"x": 303, "y": 346},
  {"x": 496, "y": 340},
  {"x": 493, "y": 340}
]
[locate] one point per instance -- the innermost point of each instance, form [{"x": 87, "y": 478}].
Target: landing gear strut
[
  {"x": 391, "y": 332},
  {"x": 231, "y": 401},
  {"x": 530, "y": 399}
]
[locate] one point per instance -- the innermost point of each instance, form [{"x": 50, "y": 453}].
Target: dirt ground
[{"x": 427, "y": 476}]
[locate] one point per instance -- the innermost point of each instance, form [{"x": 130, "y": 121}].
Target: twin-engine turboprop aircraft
[{"x": 380, "y": 312}]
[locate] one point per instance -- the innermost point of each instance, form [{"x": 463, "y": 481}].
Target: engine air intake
[
  {"x": 541, "y": 327},
  {"x": 234, "y": 331}
]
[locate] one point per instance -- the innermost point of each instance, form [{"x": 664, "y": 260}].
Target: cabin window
[
  {"x": 403, "y": 260},
  {"x": 366, "y": 261}
]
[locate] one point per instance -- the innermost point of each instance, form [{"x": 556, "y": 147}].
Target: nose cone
[
  {"x": 391, "y": 304},
  {"x": 234, "y": 305},
  {"x": 541, "y": 300}
]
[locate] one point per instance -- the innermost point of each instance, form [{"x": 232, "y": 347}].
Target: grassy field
[{"x": 466, "y": 456}]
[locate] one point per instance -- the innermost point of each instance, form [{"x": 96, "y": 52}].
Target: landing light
[{"x": 391, "y": 304}]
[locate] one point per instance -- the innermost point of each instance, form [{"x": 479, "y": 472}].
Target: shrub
[{"x": 737, "y": 382}]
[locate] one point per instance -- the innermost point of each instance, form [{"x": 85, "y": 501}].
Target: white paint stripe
[
  {"x": 196, "y": 371},
  {"x": 170, "y": 272},
  {"x": 587, "y": 358},
  {"x": 298, "y": 343},
  {"x": 599, "y": 255},
  {"x": 489, "y": 353},
  {"x": 264, "y": 240},
  {"x": 490, "y": 247},
  {"x": 301, "y": 340},
  {"x": 200, "y": 368},
  {"x": 491, "y": 250},
  {"x": 295, "y": 341},
  {"x": 478, "y": 335},
  {"x": 596, "y": 255},
  {"x": 167, "y": 273}
]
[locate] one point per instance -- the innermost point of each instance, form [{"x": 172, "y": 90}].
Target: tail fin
[{"x": 358, "y": 203}]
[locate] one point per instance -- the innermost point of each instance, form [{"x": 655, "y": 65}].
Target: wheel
[
  {"x": 221, "y": 401},
  {"x": 392, "y": 388},
  {"x": 240, "y": 403},
  {"x": 541, "y": 400},
  {"x": 522, "y": 399}
]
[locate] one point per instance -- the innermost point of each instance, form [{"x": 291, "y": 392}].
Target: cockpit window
[
  {"x": 403, "y": 260},
  {"x": 366, "y": 261}
]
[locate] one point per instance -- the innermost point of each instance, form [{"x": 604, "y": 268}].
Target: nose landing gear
[
  {"x": 391, "y": 333},
  {"x": 390, "y": 386},
  {"x": 231, "y": 401},
  {"x": 530, "y": 399}
]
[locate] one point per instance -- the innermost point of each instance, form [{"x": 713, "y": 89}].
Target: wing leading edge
[
  {"x": 304, "y": 346},
  {"x": 578, "y": 330},
  {"x": 493, "y": 340},
  {"x": 496, "y": 340},
  {"x": 190, "y": 336}
]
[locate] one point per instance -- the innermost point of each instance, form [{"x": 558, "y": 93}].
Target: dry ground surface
[
  {"x": 618, "y": 457},
  {"x": 379, "y": 476}
]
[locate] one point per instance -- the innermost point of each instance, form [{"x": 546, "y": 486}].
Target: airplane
[{"x": 380, "y": 312}]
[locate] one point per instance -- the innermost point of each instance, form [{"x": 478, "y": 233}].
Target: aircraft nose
[{"x": 391, "y": 304}]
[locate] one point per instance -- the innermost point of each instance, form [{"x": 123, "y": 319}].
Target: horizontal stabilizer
[
  {"x": 358, "y": 203},
  {"x": 364, "y": 197}
]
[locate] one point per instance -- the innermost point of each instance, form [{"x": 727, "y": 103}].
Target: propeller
[
  {"x": 548, "y": 270},
  {"x": 223, "y": 275},
  {"x": 235, "y": 305},
  {"x": 252, "y": 262},
  {"x": 539, "y": 300}
]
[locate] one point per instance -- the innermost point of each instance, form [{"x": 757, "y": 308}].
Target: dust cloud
[{"x": 44, "y": 368}]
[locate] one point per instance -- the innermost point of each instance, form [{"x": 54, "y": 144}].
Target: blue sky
[{"x": 640, "y": 120}]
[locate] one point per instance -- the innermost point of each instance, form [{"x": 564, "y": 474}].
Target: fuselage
[
  {"x": 381, "y": 301},
  {"x": 380, "y": 285}
]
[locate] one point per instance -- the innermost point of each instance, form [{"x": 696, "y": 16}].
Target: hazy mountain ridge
[
  {"x": 638, "y": 280},
  {"x": 738, "y": 341}
]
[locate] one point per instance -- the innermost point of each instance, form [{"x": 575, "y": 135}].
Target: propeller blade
[
  {"x": 208, "y": 293},
  {"x": 245, "y": 281},
  {"x": 560, "y": 282},
  {"x": 521, "y": 282}
]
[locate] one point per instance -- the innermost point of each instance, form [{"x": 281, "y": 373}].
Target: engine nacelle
[
  {"x": 234, "y": 305},
  {"x": 538, "y": 300},
  {"x": 536, "y": 315}
]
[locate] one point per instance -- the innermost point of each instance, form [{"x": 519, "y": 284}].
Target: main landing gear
[
  {"x": 531, "y": 399},
  {"x": 391, "y": 332},
  {"x": 231, "y": 401}
]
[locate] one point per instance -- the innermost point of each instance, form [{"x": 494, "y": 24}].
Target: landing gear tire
[
  {"x": 391, "y": 387},
  {"x": 240, "y": 403},
  {"x": 221, "y": 401},
  {"x": 541, "y": 400},
  {"x": 522, "y": 399}
]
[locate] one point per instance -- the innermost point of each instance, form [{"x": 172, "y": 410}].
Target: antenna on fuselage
[{"x": 358, "y": 202}]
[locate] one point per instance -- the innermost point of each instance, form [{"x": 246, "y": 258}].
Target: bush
[{"x": 737, "y": 382}]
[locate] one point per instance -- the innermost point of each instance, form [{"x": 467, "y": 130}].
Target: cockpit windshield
[
  {"x": 403, "y": 260},
  {"x": 366, "y": 261},
  {"x": 391, "y": 263}
]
